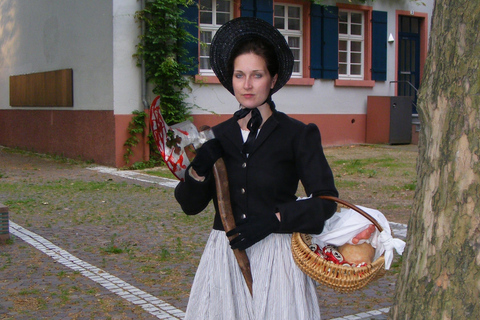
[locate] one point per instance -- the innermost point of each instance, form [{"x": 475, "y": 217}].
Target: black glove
[
  {"x": 206, "y": 157},
  {"x": 252, "y": 230}
]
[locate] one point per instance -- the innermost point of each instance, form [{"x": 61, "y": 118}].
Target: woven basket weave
[{"x": 338, "y": 277}]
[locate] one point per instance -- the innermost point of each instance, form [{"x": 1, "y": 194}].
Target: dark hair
[{"x": 259, "y": 47}]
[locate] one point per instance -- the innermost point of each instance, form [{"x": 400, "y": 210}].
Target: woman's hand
[
  {"x": 252, "y": 230},
  {"x": 364, "y": 235},
  {"x": 195, "y": 175}
]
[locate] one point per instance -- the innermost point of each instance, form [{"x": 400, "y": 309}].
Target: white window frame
[
  {"x": 349, "y": 38},
  {"x": 287, "y": 33},
  {"x": 209, "y": 28}
]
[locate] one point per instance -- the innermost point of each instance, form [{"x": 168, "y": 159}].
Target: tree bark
[{"x": 440, "y": 276}]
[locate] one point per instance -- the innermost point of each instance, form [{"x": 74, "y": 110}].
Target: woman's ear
[{"x": 274, "y": 80}]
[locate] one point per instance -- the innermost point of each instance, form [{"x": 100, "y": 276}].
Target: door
[{"x": 408, "y": 76}]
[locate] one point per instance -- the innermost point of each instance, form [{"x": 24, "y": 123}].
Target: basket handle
[{"x": 351, "y": 206}]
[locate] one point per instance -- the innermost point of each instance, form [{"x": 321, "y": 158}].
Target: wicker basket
[{"x": 338, "y": 277}]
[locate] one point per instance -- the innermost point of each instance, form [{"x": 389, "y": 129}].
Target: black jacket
[{"x": 285, "y": 151}]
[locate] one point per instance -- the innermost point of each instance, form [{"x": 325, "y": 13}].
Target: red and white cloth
[{"x": 172, "y": 140}]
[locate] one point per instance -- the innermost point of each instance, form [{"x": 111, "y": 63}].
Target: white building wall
[
  {"x": 97, "y": 40},
  {"x": 323, "y": 97},
  {"x": 46, "y": 35},
  {"x": 126, "y": 74}
]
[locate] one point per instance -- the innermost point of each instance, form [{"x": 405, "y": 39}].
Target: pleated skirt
[{"x": 280, "y": 289}]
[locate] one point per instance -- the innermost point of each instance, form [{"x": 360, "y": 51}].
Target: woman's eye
[
  {"x": 258, "y": 75},
  {"x": 238, "y": 75}
]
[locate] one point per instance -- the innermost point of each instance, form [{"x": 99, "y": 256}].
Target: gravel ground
[{"x": 136, "y": 231}]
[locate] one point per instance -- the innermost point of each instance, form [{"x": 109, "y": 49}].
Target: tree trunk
[{"x": 440, "y": 276}]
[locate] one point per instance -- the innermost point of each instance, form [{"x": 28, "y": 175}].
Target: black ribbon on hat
[{"x": 253, "y": 124}]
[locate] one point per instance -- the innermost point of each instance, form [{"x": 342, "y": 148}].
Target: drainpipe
[
  {"x": 143, "y": 80},
  {"x": 146, "y": 106}
]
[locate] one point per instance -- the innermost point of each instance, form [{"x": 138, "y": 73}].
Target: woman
[{"x": 266, "y": 154}]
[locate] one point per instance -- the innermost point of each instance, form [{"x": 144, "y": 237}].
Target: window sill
[
  {"x": 206, "y": 79},
  {"x": 355, "y": 83},
  {"x": 292, "y": 81},
  {"x": 301, "y": 81}
]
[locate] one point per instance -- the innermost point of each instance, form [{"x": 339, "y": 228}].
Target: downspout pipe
[
  {"x": 146, "y": 105},
  {"x": 143, "y": 75}
]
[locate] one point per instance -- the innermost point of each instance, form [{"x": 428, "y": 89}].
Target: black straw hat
[{"x": 238, "y": 30}]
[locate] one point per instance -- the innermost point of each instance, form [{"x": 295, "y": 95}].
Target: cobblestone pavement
[{"x": 55, "y": 268}]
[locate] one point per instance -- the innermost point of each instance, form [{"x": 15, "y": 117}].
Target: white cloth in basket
[{"x": 346, "y": 224}]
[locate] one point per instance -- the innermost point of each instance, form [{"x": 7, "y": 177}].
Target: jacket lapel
[
  {"x": 265, "y": 131},
  {"x": 233, "y": 134}
]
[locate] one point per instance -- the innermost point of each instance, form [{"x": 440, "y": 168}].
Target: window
[
  {"x": 351, "y": 26},
  {"x": 291, "y": 17},
  {"x": 213, "y": 14},
  {"x": 288, "y": 20}
]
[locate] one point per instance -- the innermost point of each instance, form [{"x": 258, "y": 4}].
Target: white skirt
[{"x": 280, "y": 289}]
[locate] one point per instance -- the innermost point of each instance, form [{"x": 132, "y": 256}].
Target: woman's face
[{"x": 251, "y": 80}]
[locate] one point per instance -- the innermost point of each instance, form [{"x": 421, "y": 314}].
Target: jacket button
[
  {"x": 244, "y": 165},
  {"x": 244, "y": 216},
  {"x": 243, "y": 190}
]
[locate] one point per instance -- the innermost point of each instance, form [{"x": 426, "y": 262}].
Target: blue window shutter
[
  {"x": 191, "y": 14},
  {"x": 379, "y": 45},
  {"x": 262, "y": 9},
  {"x": 324, "y": 42},
  {"x": 316, "y": 65},
  {"x": 247, "y": 8},
  {"x": 330, "y": 42},
  {"x": 265, "y": 10}
]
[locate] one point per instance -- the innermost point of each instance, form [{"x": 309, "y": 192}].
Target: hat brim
[{"x": 237, "y": 31}]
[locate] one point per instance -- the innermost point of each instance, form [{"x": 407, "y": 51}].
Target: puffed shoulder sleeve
[
  {"x": 309, "y": 215},
  {"x": 312, "y": 166},
  {"x": 194, "y": 196}
]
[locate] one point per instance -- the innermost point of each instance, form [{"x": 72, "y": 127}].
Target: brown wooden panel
[{"x": 42, "y": 89}]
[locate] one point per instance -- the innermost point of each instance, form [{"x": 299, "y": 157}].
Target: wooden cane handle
[{"x": 223, "y": 195}]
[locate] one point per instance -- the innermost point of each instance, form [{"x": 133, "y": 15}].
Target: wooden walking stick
[{"x": 226, "y": 214}]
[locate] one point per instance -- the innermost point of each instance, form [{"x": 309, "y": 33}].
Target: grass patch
[
  {"x": 92, "y": 291},
  {"x": 367, "y": 167},
  {"x": 164, "y": 254},
  {"x": 402, "y": 187},
  {"x": 112, "y": 247},
  {"x": 396, "y": 265},
  {"x": 26, "y": 292},
  {"x": 6, "y": 260},
  {"x": 162, "y": 172},
  {"x": 60, "y": 158},
  {"x": 20, "y": 202},
  {"x": 410, "y": 186},
  {"x": 342, "y": 184}
]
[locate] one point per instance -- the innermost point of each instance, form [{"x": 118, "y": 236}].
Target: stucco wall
[
  {"x": 45, "y": 35},
  {"x": 323, "y": 97},
  {"x": 126, "y": 74},
  {"x": 96, "y": 39}
]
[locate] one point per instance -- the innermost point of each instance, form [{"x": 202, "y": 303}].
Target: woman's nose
[{"x": 247, "y": 83}]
